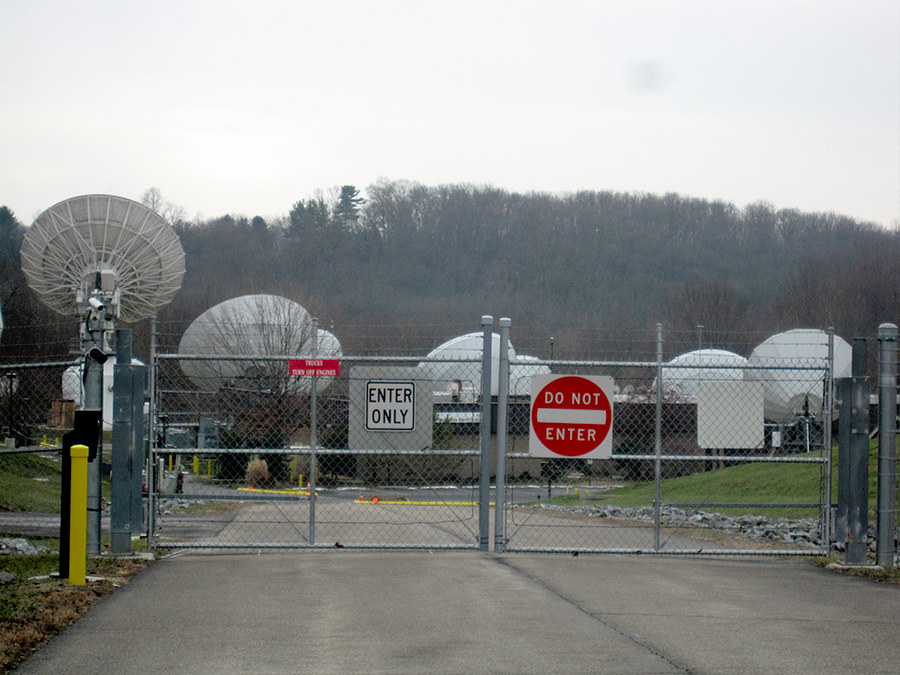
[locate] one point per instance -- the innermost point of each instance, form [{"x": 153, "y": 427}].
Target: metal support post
[
  {"x": 858, "y": 464},
  {"x": 122, "y": 451},
  {"x": 484, "y": 492},
  {"x": 843, "y": 387},
  {"x": 151, "y": 456},
  {"x": 827, "y": 414},
  {"x": 657, "y": 464},
  {"x": 312, "y": 437},
  {"x": 502, "y": 402},
  {"x": 887, "y": 442},
  {"x": 94, "y": 359}
]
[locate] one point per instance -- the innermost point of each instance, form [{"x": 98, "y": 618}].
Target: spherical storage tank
[
  {"x": 791, "y": 367},
  {"x": 253, "y": 325},
  {"x": 682, "y": 375}
]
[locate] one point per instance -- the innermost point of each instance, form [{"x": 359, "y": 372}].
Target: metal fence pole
[
  {"x": 657, "y": 464},
  {"x": 502, "y": 402},
  {"x": 887, "y": 442},
  {"x": 827, "y": 412},
  {"x": 843, "y": 387},
  {"x": 151, "y": 448},
  {"x": 484, "y": 492},
  {"x": 858, "y": 459},
  {"x": 94, "y": 358},
  {"x": 120, "y": 517},
  {"x": 312, "y": 438}
]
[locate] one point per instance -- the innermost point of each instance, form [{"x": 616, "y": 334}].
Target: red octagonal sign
[{"x": 571, "y": 416}]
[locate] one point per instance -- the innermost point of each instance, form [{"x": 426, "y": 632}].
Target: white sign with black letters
[{"x": 390, "y": 405}]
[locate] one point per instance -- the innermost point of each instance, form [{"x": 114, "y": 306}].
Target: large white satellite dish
[
  {"x": 783, "y": 362},
  {"x": 118, "y": 247},
  {"x": 683, "y": 374},
  {"x": 457, "y": 363},
  {"x": 251, "y": 326}
]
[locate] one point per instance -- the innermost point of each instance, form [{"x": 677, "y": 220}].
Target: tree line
[{"x": 571, "y": 265}]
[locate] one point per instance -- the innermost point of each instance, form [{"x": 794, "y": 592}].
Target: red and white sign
[
  {"x": 314, "y": 367},
  {"x": 571, "y": 416}
]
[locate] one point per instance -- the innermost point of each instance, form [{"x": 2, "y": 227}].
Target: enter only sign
[{"x": 571, "y": 416}]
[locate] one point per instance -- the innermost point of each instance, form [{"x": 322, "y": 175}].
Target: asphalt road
[{"x": 468, "y": 612}]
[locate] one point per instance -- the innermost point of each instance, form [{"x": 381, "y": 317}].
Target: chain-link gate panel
[
  {"x": 384, "y": 454},
  {"x": 37, "y": 406},
  {"x": 693, "y": 470}
]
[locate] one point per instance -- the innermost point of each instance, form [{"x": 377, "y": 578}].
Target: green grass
[
  {"x": 755, "y": 483},
  {"x": 29, "y": 482}
]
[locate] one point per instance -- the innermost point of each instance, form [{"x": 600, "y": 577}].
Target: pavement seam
[{"x": 574, "y": 603}]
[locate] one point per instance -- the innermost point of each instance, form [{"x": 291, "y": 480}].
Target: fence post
[
  {"x": 94, "y": 358},
  {"x": 843, "y": 399},
  {"x": 484, "y": 492},
  {"x": 657, "y": 464},
  {"x": 78, "y": 516},
  {"x": 858, "y": 460},
  {"x": 887, "y": 442},
  {"x": 151, "y": 448},
  {"x": 502, "y": 402},
  {"x": 827, "y": 413},
  {"x": 312, "y": 438}
]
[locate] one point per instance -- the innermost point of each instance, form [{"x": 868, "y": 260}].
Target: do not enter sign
[{"x": 571, "y": 416}]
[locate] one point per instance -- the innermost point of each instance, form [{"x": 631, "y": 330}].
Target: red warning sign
[{"x": 571, "y": 416}]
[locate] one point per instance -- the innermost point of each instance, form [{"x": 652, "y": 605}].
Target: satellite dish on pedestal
[
  {"x": 102, "y": 258},
  {"x": 103, "y": 252}
]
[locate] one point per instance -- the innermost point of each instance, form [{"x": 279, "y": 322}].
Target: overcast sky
[{"x": 246, "y": 107}]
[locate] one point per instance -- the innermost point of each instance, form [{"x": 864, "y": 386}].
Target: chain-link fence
[
  {"x": 37, "y": 406},
  {"x": 367, "y": 457},
  {"x": 696, "y": 467},
  {"x": 249, "y": 451},
  {"x": 716, "y": 456}
]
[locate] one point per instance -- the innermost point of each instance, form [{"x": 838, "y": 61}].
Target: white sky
[{"x": 247, "y": 107}]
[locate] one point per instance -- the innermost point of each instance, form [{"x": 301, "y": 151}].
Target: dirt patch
[{"x": 35, "y": 610}]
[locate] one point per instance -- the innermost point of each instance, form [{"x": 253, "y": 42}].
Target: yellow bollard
[
  {"x": 78, "y": 516},
  {"x": 301, "y": 481},
  {"x": 196, "y": 465},
  {"x": 170, "y": 462}
]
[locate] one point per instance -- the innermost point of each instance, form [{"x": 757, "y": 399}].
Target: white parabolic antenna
[
  {"x": 121, "y": 247},
  {"x": 682, "y": 375},
  {"x": 250, "y": 326},
  {"x": 458, "y": 361},
  {"x": 791, "y": 367}
]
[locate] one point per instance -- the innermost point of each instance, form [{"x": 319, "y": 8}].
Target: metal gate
[
  {"x": 265, "y": 459},
  {"x": 256, "y": 457},
  {"x": 682, "y": 478}
]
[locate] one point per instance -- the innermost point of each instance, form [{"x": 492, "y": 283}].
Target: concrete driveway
[{"x": 467, "y": 612}]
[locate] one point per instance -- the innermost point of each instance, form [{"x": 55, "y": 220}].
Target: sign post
[{"x": 571, "y": 416}]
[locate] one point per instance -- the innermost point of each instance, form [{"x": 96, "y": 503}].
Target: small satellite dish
[
  {"x": 779, "y": 363},
  {"x": 248, "y": 326},
  {"x": 103, "y": 249}
]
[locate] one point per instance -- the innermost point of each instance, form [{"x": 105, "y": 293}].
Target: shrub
[{"x": 258, "y": 473}]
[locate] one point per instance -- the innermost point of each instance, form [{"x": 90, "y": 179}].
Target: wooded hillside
[{"x": 403, "y": 255}]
